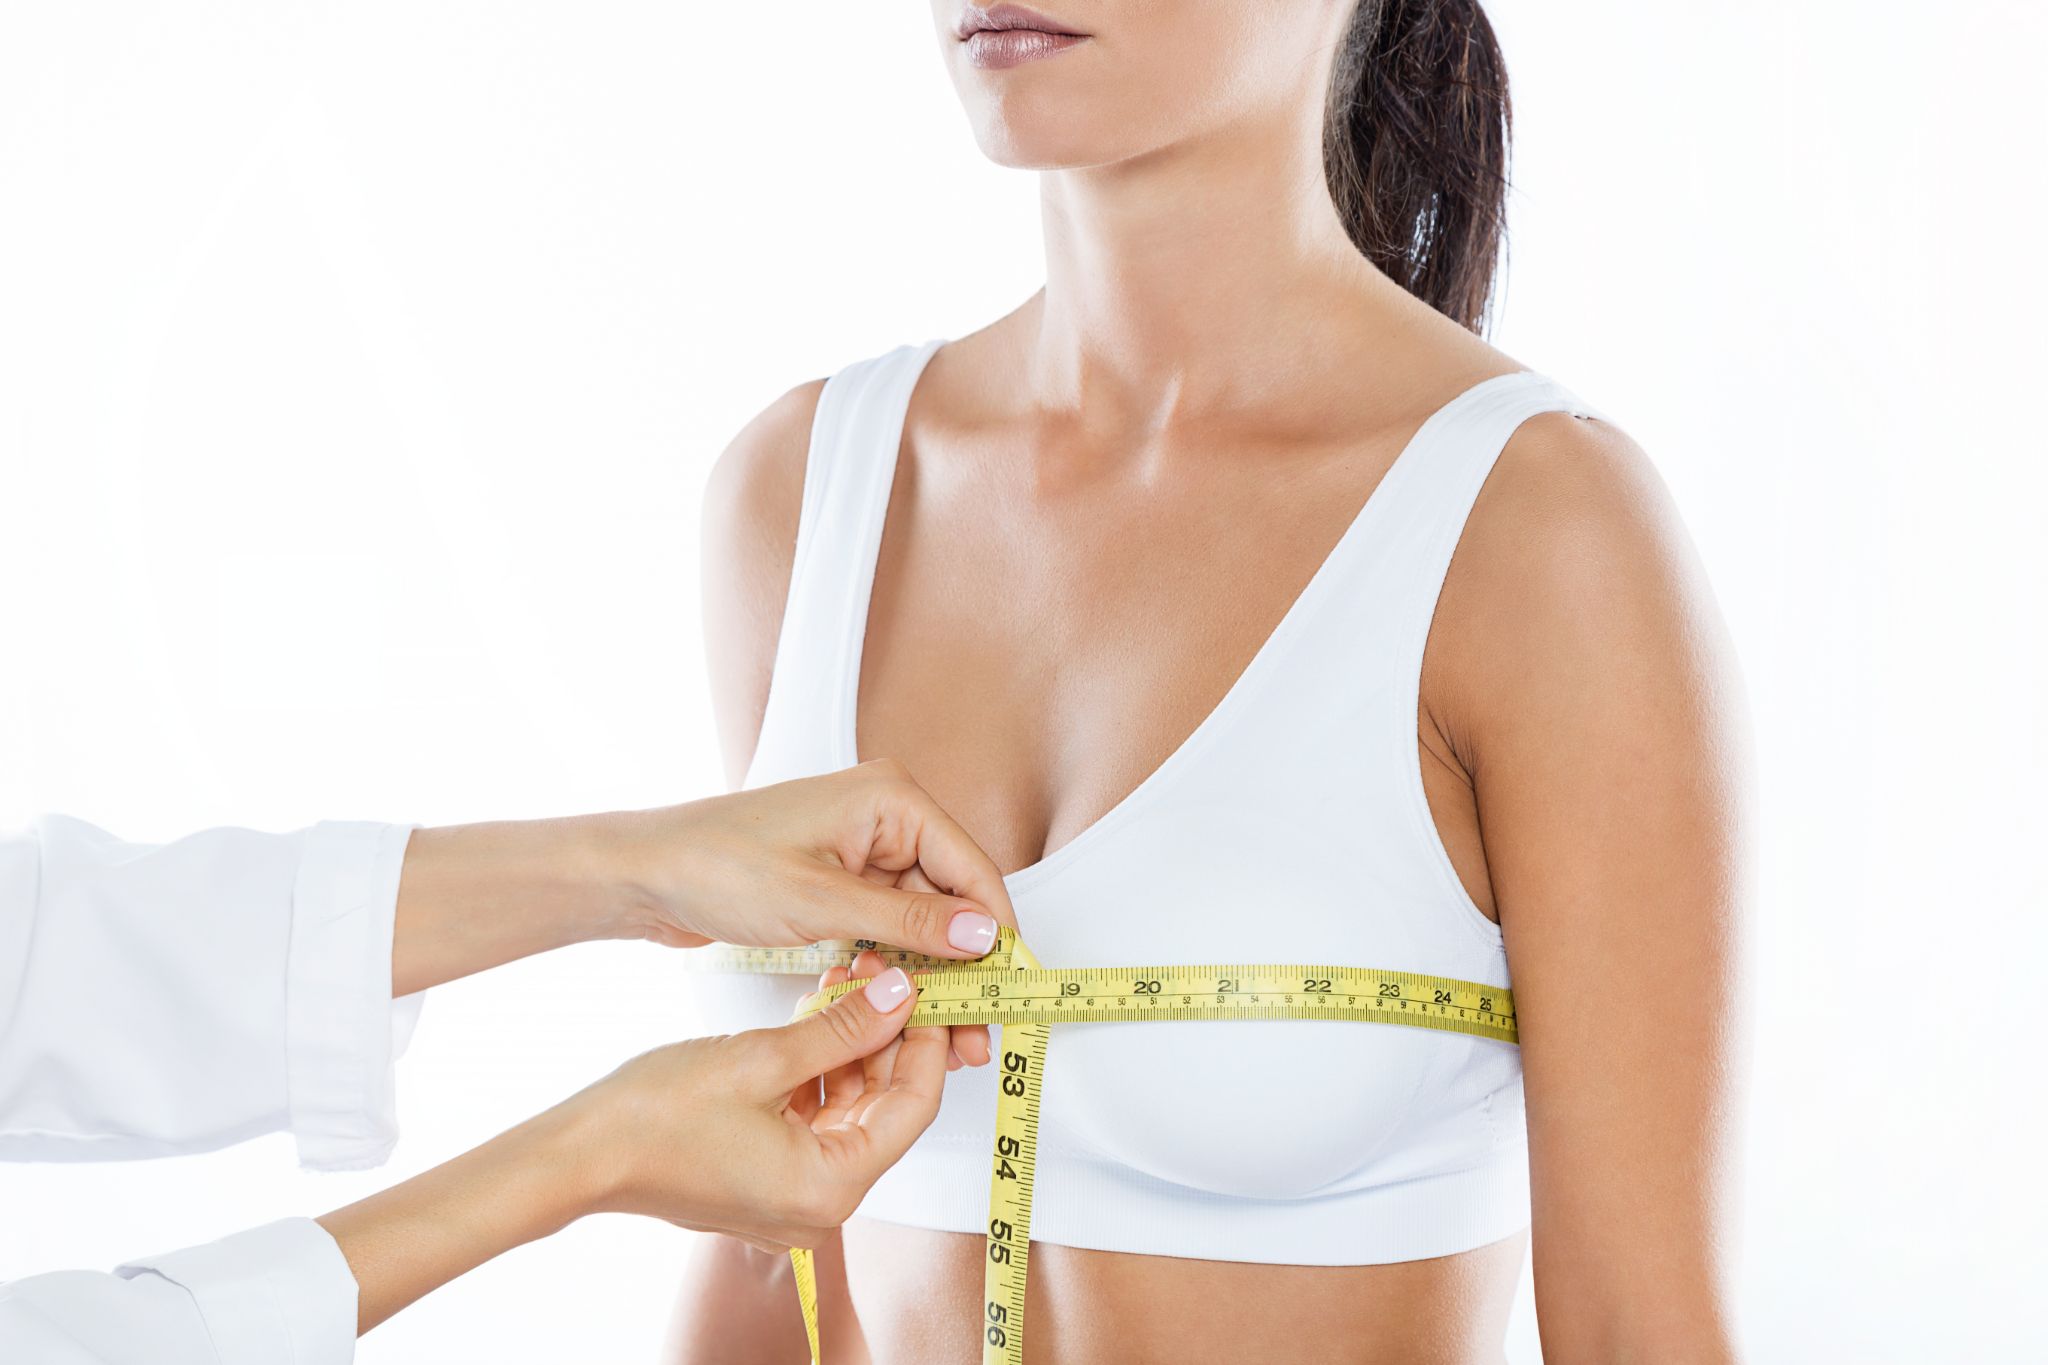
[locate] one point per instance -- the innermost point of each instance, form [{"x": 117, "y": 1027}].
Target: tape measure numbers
[{"x": 1010, "y": 988}]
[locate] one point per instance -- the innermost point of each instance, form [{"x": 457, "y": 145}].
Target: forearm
[
  {"x": 477, "y": 896},
  {"x": 1686, "y": 1332},
  {"x": 823, "y": 857},
  {"x": 707, "y": 1134},
  {"x": 520, "y": 1186}
]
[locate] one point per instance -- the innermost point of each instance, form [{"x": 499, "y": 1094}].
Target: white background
[{"x": 360, "y": 367}]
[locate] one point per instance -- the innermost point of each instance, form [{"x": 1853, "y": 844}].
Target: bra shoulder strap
[
  {"x": 1352, "y": 682},
  {"x": 1428, "y": 522},
  {"x": 848, "y": 470},
  {"x": 1443, "y": 487}
]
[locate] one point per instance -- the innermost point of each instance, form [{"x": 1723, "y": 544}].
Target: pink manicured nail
[
  {"x": 972, "y": 932},
  {"x": 888, "y": 990}
]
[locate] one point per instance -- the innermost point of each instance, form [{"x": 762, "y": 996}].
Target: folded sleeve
[
  {"x": 165, "y": 998},
  {"x": 281, "y": 1292},
  {"x": 342, "y": 1028}
]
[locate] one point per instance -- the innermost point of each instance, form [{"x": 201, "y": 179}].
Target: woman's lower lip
[{"x": 993, "y": 48}]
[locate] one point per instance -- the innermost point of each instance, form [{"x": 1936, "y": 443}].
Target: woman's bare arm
[
  {"x": 751, "y": 504},
  {"x": 1586, "y": 680}
]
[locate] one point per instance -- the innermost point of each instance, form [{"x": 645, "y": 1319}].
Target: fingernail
[
  {"x": 972, "y": 932},
  {"x": 888, "y": 990}
]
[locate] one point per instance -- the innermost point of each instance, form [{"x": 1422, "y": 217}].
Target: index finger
[{"x": 938, "y": 845}]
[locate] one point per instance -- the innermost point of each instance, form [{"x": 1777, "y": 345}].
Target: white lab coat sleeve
[
  {"x": 278, "y": 1293},
  {"x": 166, "y": 998}
]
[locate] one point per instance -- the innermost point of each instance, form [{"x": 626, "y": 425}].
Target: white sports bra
[{"x": 1290, "y": 826}]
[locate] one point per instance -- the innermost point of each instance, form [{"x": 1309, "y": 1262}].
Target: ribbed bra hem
[{"x": 1084, "y": 1202}]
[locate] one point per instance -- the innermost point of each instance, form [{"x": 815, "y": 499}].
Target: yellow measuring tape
[{"x": 1010, "y": 988}]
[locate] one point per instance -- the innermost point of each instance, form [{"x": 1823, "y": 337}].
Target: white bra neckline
[{"x": 1327, "y": 574}]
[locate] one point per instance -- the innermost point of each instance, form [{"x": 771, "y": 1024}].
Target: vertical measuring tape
[{"x": 1012, "y": 1180}]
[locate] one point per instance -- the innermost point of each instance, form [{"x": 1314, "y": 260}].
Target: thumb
[
  {"x": 857, "y": 1024},
  {"x": 922, "y": 921}
]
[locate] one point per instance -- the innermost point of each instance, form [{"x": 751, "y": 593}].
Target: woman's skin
[{"x": 1106, "y": 500}]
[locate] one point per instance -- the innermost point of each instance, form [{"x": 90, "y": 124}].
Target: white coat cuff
[
  {"x": 343, "y": 1030},
  {"x": 280, "y": 1292}
]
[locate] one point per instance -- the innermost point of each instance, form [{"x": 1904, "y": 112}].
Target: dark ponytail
[{"x": 1415, "y": 148}]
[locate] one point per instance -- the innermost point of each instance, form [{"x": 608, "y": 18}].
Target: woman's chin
[
  {"x": 1029, "y": 147},
  {"x": 1035, "y": 148},
  {"x": 1048, "y": 130}
]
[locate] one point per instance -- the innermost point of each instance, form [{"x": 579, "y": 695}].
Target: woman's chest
[
  {"x": 1274, "y": 1109},
  {"x": 1033, "y": 672}
]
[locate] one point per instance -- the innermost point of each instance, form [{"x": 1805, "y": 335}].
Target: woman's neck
[{"x": 1204, "y": 277}]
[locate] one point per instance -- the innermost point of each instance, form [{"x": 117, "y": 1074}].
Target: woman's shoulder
[
  {"x": 747, "y": 545},
  {"x": 755, "y": 489},
  {"x": 1567, "y": 473},
  {"x": 1575, "y": 562},
  {"x": 1571, "y": 476},
  {"x": 751, "y": 510}
]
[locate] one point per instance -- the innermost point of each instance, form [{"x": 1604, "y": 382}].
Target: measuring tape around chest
[{"x": 1010, "y": 988}]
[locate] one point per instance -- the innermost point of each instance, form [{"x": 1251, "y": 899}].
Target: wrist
[
  {"x": 578, "y": 1141},
  {"x": 602, "y": 893},
  {"x": 649, "y": 860},
  {"x": 567, "y": 1164}
]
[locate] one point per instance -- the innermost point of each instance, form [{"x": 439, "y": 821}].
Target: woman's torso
[{"x": 1075, "y": 649}]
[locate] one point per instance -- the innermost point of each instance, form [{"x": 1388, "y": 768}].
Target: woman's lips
[{"x": 997, "y": 48}]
